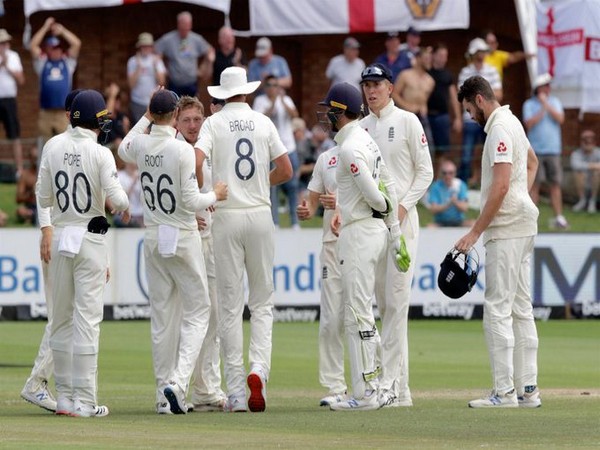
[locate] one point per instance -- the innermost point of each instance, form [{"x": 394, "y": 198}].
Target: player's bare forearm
[
  {"x": 282, "y": 172},
  {"x": 532, "y": 167}
]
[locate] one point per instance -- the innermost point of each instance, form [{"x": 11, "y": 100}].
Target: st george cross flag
[
  {"x": 569, "y": 49},
  {"x": 32, "y": 6},
  {"x": 285, "y": 17}
]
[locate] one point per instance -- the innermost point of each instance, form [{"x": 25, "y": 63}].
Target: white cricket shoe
[
  {"x": 39, "y": 395},
  {"x": 83, "y": 410},
  {"x": 330, "y": 399},
  {"x": 64, "y": 406},
  {"x": 176, "y": 398},
  {"x": 163, "y": 408},
  {"x": 387, "y": 399},
  {"x": 368, "y": 403},
  {"x": 235, "y": 403},
  {"x": 217, "y": 405},
  {"x": 257, "y": 382},
  {"x": 530, "y": 399},
  {"x": 496, "y": 400}
]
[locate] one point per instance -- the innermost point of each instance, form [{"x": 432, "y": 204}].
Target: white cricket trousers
[
  {"x": 206, "y": 387},
  {"x": 393, "y": 309},
  {"x": 77, "y": 310},
  {"x": 362, "y": 250},
  {"x": 179, "y": 307},
  {"x": 508, "y": 322},
  {"x": 43, "y": 366},
  {"x": 331, "y": 322},
  {"x": 244, "y": 239}
]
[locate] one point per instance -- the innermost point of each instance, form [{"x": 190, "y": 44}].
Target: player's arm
[
  {"x": 282, "y": 171},
  {"x": 126, "y": 150},
  {"x": 109, "y": 180},
  {"x": 532, "y": 167},
  {"x": 43, "y": 186},
  {"x": 202, "y": 149},
  {"x": 191, "y": 197},
  {"x": 363, "y": 179},
  {"x": 307, "y": 209}
]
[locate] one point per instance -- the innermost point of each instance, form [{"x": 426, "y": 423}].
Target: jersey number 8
[
  {"x": 61, "y": 180},
  {"x": 244, "y": 161}
]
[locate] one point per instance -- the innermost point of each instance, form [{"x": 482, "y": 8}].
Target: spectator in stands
[
  {"x": 55, "y": 69},
  {"x": 499, "y": 58},
  {"x": 393, "y": 58},
  {"x": 26, "y": 200},
  {"x": 473, "y": 133},
  {"x": 11, "y": 75},
  {"x": 543, "y": 116},
  {"x": 443, "y": 98},
  {"x": 319, "y": 143},
  {"x": 413, "y": 88},
  {"x": 145, "y": 71},
  {"x": 585, "y": 163},
  {"x": 412, "y": 44},
  {"x": 227, "y": 54},
  {"x": 129, "y": 178},
  {"x": 121, "y": 123},
  {"x": 182, "y": 49},
  {"x": 346, "y": 67},
  {"x": 266, "y": 63},
  {"x": 447, "y": 198},
  {"x": 281, "y": 110}
]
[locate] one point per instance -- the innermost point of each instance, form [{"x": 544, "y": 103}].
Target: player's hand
[
  {"x": 465, "y": 243},
  {"x": 220, "y": 189},
  {"x": 201, "y": 223},
  {"x": 46, "y": 244},
  {"x": 303, "y": 211},
  {"x": 399, "y": 250},
  {"x": 328, "y": 200},
  {"x": 336, "y": 224}
]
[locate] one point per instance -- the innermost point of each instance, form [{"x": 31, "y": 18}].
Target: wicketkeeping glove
[
  {"x": 386, "y": 196},
  {"x": 398, "y": 245}
]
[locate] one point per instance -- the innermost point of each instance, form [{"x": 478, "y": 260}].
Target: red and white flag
[
  {"x": 568, "y": 40},
  {"x": 285, "y": 17},
  {"x": 33, "y": 6}
]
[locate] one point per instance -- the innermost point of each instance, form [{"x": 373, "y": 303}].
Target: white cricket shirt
[{"x": 323, "y": 180}]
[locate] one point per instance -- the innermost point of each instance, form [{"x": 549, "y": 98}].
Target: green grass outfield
[{"x": 449, "y": 366}]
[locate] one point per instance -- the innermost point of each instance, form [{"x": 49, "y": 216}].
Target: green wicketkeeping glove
[
  {"x": 386, "y": 196},
  {"x": 400, "y": 252}
]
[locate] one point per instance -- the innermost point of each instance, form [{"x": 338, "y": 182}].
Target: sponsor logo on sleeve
[{"x": 354, "y": 169}]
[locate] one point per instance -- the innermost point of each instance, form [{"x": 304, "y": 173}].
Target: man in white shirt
[
  {"x": 79, "y": 253},
  {"x": 404, "y": 148},
  {"x": 508, "y": 222},
  {"x": 177, "y": 284},
  {"x": 241, "y": 145},
  {"x": 346, "y": 67}
]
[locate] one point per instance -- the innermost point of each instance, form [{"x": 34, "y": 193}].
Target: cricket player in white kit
[
  {"x": 403, "y": 145},
  {"x": 241, "y": 144},
  {"x": 322, "y": 189},
  {"x": 177, "y": 284},
  {"x": 508, "y": 222},
  {"x": 76, "y": 174},
  {"x": 206, "y": 393},
  {"x": 36, "y": 390},
  {"x": 365, "y": 201}
]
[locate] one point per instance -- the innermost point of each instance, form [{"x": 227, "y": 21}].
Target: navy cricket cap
[
  {"x": 344, "y": 96},
  {"x": 70, "y": 97},
  {"x": 412, "y": 30},
  {"x": 163, "y": 102},
  {"x": 87, "y": 106},
  {"x": 376, "y": 72}
]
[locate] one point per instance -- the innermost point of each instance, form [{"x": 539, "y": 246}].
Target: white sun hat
[
  {"x": 233, "y": 82},
  {"x": 541, "y": 80}
]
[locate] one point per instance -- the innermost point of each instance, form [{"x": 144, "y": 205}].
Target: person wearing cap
[
  {"x": 413, "y": 43},
  {"x": 11, "y": 76},
  {"x": 404, "y": 148},
  {"x": 266, "y": 63},
  {"x": 183, "y": 48},
  {"x": 543, "y": 116},
  {"x": 366, "y": 198},
  {"x": 175, "y": 267},
  {"x": 79, "y": 253},
  {"x": 393, "y": 58},
  {"x": 206, "y": 392},
  {"x": 35, "y": 390},
  {"x": 55, "y": 70},
  {"x": 347, "y": 66},
  {"x": 508, "y": 222},
  {"x": 228, "y": 54},
  {"x": 243, "y": 145},
  {"x": 585, "y": 164},
  {"x": 473, "y": 134},
  {"x": 145, "y": 71},
  {"x": 280, "y": 108},
  {"x": 447, "y": 198}
]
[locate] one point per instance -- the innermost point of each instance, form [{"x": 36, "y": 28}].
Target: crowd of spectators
[{"x": 183, "y": 60}]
